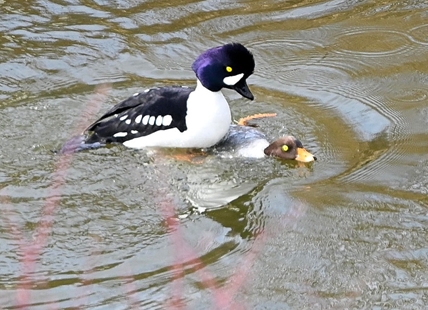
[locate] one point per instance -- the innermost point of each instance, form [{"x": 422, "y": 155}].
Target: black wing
[{"x": 129, "y": 119}]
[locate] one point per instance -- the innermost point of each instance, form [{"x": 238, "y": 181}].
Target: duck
[
  {"x": 246, "y": 141},
  {"x": 241, "y": 141},
  {"x": 177, "y": 116}
]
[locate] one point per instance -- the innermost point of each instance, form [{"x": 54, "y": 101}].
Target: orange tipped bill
[{"x": 304, "y": 156}]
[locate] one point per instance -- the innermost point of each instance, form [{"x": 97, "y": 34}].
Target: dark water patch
[
  {"x": 351, "y": 250},
  {"x": 360, "y": 101}
]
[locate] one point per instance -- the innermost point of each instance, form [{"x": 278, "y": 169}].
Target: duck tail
[{"x": 78, "y": 144}]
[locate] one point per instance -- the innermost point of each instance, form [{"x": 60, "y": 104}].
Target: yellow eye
[
  {"x": 229, "y": 69},
  {"x": 284, "y": 148}
]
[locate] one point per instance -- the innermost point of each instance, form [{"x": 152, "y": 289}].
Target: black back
[{"x": 156, "y": 102}]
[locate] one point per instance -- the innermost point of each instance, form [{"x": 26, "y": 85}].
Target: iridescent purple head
[{"x": 226, "y": 66}]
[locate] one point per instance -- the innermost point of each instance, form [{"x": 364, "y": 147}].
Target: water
[{"x": 116, "y": 228}]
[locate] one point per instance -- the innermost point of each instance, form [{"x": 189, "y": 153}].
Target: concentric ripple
[
  {"x": 372, "y": 42},
  {"x": 418, "y": 34},
  {"x": 144, "y": 230}
]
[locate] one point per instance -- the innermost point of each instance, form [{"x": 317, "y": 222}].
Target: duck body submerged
[{"x": 245, "y": 141}]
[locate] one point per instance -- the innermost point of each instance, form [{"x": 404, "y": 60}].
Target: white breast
[
  {"x": 208, "y": 119},
  {"x": 208, "y": 116}
]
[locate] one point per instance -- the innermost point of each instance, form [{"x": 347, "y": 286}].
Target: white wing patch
[
  {"x": 120, "y": 134},
  {"x": 167, "y": 120},
  {"x": 159, "y": 120},
  {"x": 128, "y": 121},
  {"x": 146, "y": 119},
  {"x": 232, "y": 80},
  {"x": 123, "y": 117},
  {"x": 134, "y": 132},
  {"x": 152, "y": 120}
]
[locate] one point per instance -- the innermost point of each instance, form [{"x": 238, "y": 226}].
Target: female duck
[{"x": 245, "y": 141}]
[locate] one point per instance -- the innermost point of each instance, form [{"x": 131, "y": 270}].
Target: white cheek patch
[{"x": 232, "y": 80}]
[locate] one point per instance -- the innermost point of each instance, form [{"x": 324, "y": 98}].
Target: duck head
[
  {"x": 226, "y": 66},
  {"x": 289, "y": 147}
]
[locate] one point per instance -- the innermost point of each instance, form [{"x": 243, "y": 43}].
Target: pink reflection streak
[
  {"x": 223, "y": 297},
  {"x": 32, "y": 250},
  {"x": 183, "y": 252},
  {"x": 16, "y": 233},
  {"x": 243, "y": 272}
]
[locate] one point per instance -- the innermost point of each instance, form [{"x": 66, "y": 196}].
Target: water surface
[{"x": 116, "y": 228}]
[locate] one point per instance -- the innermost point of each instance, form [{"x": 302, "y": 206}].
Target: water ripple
[
  {"x": 372, "y": 42},
  {"x": 418, "y": 34},
  {"x": 346, "y": 77}
]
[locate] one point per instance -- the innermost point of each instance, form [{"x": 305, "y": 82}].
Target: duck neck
[{"x": 200, "y": 88}]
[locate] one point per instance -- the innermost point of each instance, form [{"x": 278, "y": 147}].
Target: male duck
[
  {"x": 245, "y": 141},
  {"x": 175, "y": 116}
]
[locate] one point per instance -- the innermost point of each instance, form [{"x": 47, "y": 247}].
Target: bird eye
[
  {"x": 284, "y": 148},
  {"x": 229, "y": 69}
]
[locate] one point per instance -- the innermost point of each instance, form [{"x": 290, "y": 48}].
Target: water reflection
[{"x": 346, "y": 77}]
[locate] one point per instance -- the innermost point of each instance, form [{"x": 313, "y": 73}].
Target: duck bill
[
  {"x": 304, "y": 156},
  {"x": 242, "y": 88}
]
